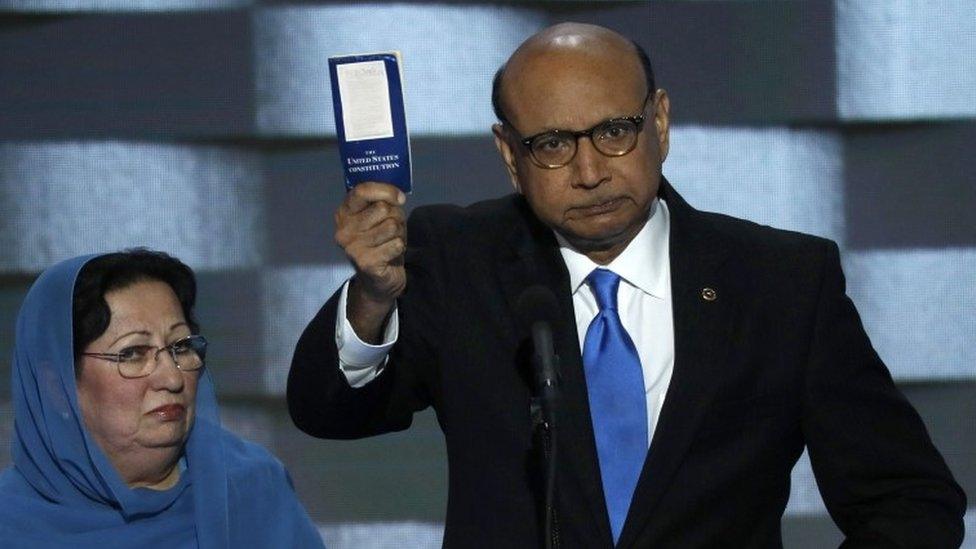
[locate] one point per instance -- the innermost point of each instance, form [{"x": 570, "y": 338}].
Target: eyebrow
[
  {"x": 144, "y": 332},
  {"x": 604, "y": 121}
]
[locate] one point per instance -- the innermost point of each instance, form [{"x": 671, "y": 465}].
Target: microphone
[{"x": 538, "y": 310}]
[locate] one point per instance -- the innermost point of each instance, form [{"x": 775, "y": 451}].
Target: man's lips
[
  {"x": 169, "y": 412},
  {"x": 602, "y": 207}
]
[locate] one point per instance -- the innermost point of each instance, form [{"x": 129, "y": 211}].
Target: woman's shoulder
[
  {"x": 246, "y": 458},
  {"x": 263, "y": 498}
]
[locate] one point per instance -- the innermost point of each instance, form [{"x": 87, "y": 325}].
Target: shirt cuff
[{"x": 361, "y": 362}]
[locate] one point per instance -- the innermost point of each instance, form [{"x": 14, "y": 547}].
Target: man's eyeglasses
[
  {"x": 138, "y": 361},
  {"x": 615, "y": 137}
]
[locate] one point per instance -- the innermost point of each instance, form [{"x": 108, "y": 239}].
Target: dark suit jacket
[{"x": 778, "y": 361}]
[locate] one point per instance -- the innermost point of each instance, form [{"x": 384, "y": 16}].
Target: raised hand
[{"x": 371, "y": 229}]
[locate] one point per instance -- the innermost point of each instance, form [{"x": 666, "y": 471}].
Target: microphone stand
[{"x": 543, "y": 410}]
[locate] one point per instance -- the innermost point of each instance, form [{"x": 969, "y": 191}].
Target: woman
[{"x": 117, "y": 440}]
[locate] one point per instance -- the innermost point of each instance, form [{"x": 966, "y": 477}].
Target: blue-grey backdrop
[{"x": 204, "y": 128}]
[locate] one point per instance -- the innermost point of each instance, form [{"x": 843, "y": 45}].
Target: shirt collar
[{"x": 644, "y": 263}]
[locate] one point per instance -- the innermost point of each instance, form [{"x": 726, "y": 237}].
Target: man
[{"x": 699, "y": 353}]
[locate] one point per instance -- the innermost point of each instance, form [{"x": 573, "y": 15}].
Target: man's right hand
[{"x": 371, "y": 229}]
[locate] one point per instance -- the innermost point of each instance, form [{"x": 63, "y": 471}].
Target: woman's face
[{"x": 136, "y": 421}]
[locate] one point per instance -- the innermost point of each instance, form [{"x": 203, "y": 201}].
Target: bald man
[{"x": 699, "y": 353}]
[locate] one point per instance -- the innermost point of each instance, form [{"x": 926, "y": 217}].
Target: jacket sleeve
[
  {"x": 321, "y": 401},
  {"x": 882, "y": 479}
]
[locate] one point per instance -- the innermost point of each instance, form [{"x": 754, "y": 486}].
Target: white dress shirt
[
  {"x": 361, "y": 362},
  {"x": 643, "y": 303}
]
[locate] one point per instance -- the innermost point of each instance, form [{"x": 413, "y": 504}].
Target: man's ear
[
  {"x": 662, "y": 121},
  {"x": 507, "y": 154}
]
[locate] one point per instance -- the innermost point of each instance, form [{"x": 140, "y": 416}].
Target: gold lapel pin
[{"x": 708, "y": 294}]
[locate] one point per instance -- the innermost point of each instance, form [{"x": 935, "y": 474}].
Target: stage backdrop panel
[{"x": 205, "y": 129}]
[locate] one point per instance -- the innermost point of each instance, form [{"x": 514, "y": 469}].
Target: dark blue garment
[
  {"x": 62, "y": 490},
  {"x": 618, "y": 403}
]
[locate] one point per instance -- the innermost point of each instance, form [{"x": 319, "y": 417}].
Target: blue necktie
[{"x": 618, "y": 405}]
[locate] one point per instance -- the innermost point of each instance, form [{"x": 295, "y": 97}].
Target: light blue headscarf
[{"x": 62, "y": 490}]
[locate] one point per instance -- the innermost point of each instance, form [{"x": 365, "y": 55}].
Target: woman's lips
[{"x": 169, "y": 412}]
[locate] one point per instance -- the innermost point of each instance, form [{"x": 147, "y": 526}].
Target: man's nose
[{"x": 591, "y": 165}]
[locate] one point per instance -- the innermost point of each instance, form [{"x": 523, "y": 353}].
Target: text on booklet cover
[{"x": 367, "y": 96}]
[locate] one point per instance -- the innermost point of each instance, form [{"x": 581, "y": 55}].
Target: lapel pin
[{"x": 708, "y": 294}]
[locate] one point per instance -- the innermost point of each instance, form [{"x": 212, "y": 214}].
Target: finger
[
  {"x": 368, "y": 225},
  {"x": 379, "y": 212},
  {"x": 386, "y": 254},
  {"x": 364, "y": 194},
  {"x": 375, "y": 260},
  {"x": 384, "y": 231},
  {"x": 361, "y": 242},
  {"x": 349, "y": 227}
]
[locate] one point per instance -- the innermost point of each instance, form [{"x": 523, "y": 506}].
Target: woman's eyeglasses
[{"x": 138, "y": 361}]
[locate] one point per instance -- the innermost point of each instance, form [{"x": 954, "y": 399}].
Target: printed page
[{"x": 365, "y": 96}]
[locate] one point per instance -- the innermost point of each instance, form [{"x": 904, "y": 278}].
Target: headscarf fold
[{"x": 62, "y": 490}]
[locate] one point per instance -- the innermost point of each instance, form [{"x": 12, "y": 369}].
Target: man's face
[{"x": 598, "y": 203}]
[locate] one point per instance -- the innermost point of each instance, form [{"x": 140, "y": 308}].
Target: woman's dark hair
[{"x": 115, "y": 271}]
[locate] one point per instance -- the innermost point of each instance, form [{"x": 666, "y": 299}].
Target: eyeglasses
[
  {"x": 615, "y": 137},
  {"x": 138, "y": 361}
]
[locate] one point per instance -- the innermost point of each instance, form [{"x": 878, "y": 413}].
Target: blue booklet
[{"x": 367, "y": 95}]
